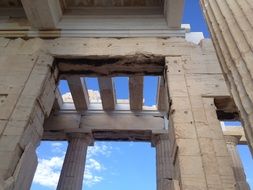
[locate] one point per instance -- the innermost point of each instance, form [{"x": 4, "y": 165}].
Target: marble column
[
  {"x": 71, "y": 177},
  {"x": 231, "y": 25},
  {"x": 239, "y": 174},
  {"x": 163, "y": 162}
]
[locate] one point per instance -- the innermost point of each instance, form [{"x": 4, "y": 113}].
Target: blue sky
[{"x": 114, "y": 165}]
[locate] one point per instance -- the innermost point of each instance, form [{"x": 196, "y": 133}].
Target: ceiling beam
[
  {"x": 173, "y": 11},
  {"x": 58, "y": 100},
  {"x": 107, "y": 93},
  {"x": 79, "y": 92},
  {"x": 136, "y": 92},
  {"x": 43, "y": 14},
  {"x": 74, "y": 122},
  {"x": 162, "y": 101},
  {"x": 113, "y": 66}
]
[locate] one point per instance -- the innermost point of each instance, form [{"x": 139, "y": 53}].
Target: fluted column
[
  {"x": 71, "y": 177},
  {"x": 163, "y": 162},
  {"x": 239, "y": 174},
  {"x": 231, "y": 25}
]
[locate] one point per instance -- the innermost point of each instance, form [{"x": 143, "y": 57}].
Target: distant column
[
  {"x": 240, "y": 177},
  {"x": 71, "y": 177},
  {"x": 163, "y": 162}
]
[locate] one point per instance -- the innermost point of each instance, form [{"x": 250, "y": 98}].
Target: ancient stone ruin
[{"x": 45, "y": 41}]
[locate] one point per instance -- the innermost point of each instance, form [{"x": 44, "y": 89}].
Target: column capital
[
  {"x": 157, "y": 138},
  {"x": 234, "y": 140},
  {"x": 87, "y": 137}
]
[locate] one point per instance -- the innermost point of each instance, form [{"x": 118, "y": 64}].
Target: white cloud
[
  {"x": 99, "y": 149},
  {"x": 48, "y": 170}
]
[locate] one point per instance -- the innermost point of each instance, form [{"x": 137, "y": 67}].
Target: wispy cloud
[{"x": 48, "y": 170}]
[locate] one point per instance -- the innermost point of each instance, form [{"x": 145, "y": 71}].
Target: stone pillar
[
  {"x": 27, "y": 87},
  {"x": 74, "y": 163},
  {"x": 199, "y": 154},
  {"x": 163, "y": 162},
  {"x": 231, "y": 25},
  {"x": 239, "y": 174}
]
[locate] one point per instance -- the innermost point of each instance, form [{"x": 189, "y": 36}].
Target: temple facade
[{"x": 45, "y": 41}]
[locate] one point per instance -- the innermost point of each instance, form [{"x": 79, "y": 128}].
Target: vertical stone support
[
  {"x": 164, "y": 168},
  {"x": 74, "y": 163},
  {"x": 27, "y": 86},
  {"x": 231, "y": 25},
  {"x": 199, "y": 153},
  {"x": 240, "y": 177}
]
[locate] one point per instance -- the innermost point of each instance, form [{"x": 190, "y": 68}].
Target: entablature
[{"x": 69, "y": 18}]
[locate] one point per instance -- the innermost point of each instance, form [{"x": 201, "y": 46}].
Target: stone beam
[
  {"x": 79, "y": 92},
  {"x": 162, "y": 99},
  {"x": 43, "y": 14},
  {"x": 107, "y": 93},
  {"x": 112, "y": 66},
  {"x": 173, "y": 11},
  {"x": 136, "y": 92},
  {"x": 74, "y": 122}
]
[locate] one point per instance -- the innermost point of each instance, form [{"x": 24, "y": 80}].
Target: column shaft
[
  {"x": 71, "y": 177},
  {"x": 237, "y": 164},
  {"x": 163, "y": 163},
  {"x": 231, "y": 25}
]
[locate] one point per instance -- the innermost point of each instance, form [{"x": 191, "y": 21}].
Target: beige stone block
[
  {"x": 216, "y": 130},
  {"x": 13, "y": 47},
  {"x": 220, "y": 147},
  {"x": 9, "y": 160},
  {"x": 8, "y": 103},
  {"x": 37, "y": 120},
  {"x": 177, "y": 85},
  {"x": 210, "y": 164},
  {"x": 228, "y": 182},
  {"x": 22, "y": 64},
  {"x": 214, "y": 182},
  {"x": 190, "y": 182},
  {"x": 43, "y": 64},
  {"x": 30, "y": 136},
  {"x": 174, "y": 65},
  {"x": 196, "y": 102},
  {"x": 10, "y": 89},
  {"x": 2, "y": 126},
  {"x": 191, "y": 166},
  {"x": 225, "y": 165},
  {"x": 188, "y": 147},
  {"x": 15, "y": 128},
  {"x": 205, "y": 130},
  {"x": 25, "y": 169},
  {"x": 205, "y": 64},
  {"x": 199, "y": 115},
  {"x": 181, "y": 116},
  {"x": 24, "y": 108},
  {"x": 47, "y": 98},
  {"x": 206, "y": 85},
  {"x": 35, "y": 84},
  {"x": 32, "y": 46},
  {"x": 182, "y": 102},
  {"x": 206, "y": 145},
  {"x": 9, "y": 143},
  {"x": 185, "y": 130}
]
